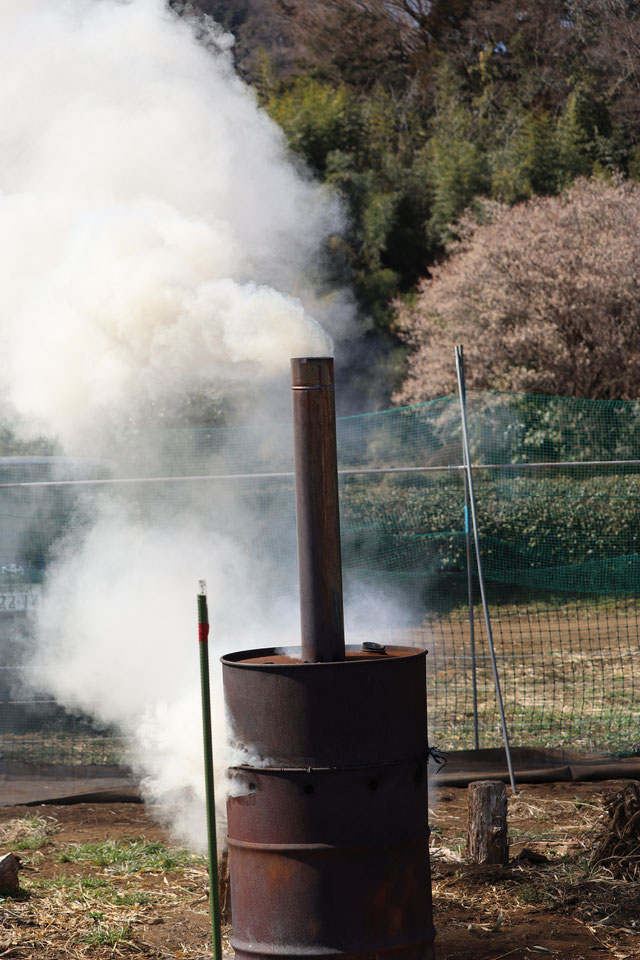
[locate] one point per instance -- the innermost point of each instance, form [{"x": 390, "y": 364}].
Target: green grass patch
[
  {"x": 135, "y": 898},
  {"x": 107, "y": 936},
  {"x": 95, "y": 892},
  {"x": 89, "y": 890},
  {"x": 132, "y": 855}
]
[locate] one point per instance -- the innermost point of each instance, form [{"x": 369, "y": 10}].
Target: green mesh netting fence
[{"x": 558, "y": 494}]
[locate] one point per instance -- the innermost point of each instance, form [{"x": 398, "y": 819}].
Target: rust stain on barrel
[
  {"x": 330, "y": 852},
  {"x": 328, "y": 836}
]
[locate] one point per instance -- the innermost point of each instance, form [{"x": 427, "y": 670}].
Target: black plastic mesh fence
[{"x": 558, "y": 492}]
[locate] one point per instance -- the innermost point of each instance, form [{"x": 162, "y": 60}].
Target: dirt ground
[
  {"x": 102, "y": 881},
  {"x": 548, "y": 901}
]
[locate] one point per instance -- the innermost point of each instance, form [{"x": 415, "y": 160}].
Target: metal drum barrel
[
  {"x": 327, "y": 812},
  {"x": 327, "y": 819}
]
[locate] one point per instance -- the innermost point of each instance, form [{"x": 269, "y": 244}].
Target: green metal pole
[{"x": 214, "y": 889}]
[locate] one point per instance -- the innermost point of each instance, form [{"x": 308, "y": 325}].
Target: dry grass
[
  {"x": 99, "y": 899},
  {"x": 79, "y": 918},
  {"x": 562, "y": 880},
  {"x": 61, "y": 747},
  {"x": 27, "y": 833},
  {"x": 617, "y": 850},
  {"x": 106, "y": 885},
  {"x": 569, "y": 673}
]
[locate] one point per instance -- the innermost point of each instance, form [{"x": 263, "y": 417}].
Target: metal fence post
[
  {"x": 472, "y": 637},
  {"x": 474, "y": 520}
]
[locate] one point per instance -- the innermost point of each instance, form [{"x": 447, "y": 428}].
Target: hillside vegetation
[{"x": 416, "y": 110}]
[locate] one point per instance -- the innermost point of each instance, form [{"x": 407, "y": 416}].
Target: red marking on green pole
[{"x": 214, "y": 889}]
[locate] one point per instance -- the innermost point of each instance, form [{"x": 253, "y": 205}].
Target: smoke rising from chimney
[
  {"x": 153, "y": 233},
  {"x": 155, "y": 240}
]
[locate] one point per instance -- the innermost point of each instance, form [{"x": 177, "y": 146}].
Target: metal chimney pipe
[
  {"x": 328, "y": 836},
  {"x": 317, "y": 510}
]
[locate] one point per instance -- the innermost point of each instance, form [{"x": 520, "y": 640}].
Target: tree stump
[
  {"x": 487, "y": 840},
  {"x": 9, "y": 866}
]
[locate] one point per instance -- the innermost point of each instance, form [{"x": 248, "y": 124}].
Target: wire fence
[{"x": 558, "y": 493}]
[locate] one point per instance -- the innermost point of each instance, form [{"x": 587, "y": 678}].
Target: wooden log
[
  {"x": 487, "y": 839},
  {"x": 9, "y": 866}
]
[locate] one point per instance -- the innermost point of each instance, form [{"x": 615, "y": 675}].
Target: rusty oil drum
[{"x": 327, "y": 818}]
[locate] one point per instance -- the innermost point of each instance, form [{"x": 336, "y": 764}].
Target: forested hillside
[{"x": 414, "y": 109}]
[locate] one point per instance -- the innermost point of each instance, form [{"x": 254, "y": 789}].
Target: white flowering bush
[{"x": 545, "y": 297}]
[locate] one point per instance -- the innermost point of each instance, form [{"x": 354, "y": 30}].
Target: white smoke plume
[
  {"x": 117, "y": 632},
  {"x": 153, "y": 234},
  {"x": 154, "y": 239}
]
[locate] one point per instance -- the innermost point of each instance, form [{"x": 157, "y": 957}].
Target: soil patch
[
  {"x": 103, "y": 881},
  {"x": 549, "y": 901}
]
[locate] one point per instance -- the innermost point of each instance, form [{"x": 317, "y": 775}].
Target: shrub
[{"x": 545, "y": 297}]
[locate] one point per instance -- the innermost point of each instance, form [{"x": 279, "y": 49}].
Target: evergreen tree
[{"x": 372, "y": 152}]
